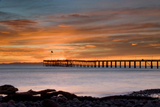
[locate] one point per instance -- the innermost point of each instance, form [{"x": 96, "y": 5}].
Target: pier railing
[{"x": 103, "y": 63}]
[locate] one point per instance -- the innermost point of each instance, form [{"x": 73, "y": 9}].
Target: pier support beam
[
  {"x": 80, "y": 65},
  {"x": 99, "y": 64},
  {"x": 95, "y": 64},
  {"x": 151, "y": 65},
  {"x": 145, "y": 64},
  {"x": 134, "y": 64},
  {"x": 111, "y": 64},
  {"x": 67, "y": 63},
  {"x": 92, "y": 63},
  {"x": 157, "y": 65},
  {"x": 115, "y": 64},
  {"x": 103, "y": 64},
  {"x": 84, "y": 64},
  {"x": 129, "y": 64},
  {"x": 139, "y": 64},
  {"x": 88, "y": 64},
  {"x": 120, "y": 64},
  {"x": 107, "y": 64},
  {"x": 124, "y": 64}
]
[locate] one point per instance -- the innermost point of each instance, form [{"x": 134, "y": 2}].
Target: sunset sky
[{"x": 79, "y": 29}]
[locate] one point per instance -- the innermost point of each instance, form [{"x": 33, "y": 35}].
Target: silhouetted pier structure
[{"x": 103, "y": 63}]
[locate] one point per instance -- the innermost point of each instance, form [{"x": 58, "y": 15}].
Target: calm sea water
[{"x": 97, "y": 82}]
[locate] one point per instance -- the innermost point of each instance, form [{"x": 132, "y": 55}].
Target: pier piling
[
  {"x": 111, "y": 64},
  {"x": 107, "y": 64},
  {"x": 115, "y": 64},
  {"x": 151, "y": 65},
  {"x": 99, "y": 64},
  {"x": 145, "y": 64},
  {"x": 124, "y": 64},
  {"x": 134, "y": 64},
  {"x": 129, "y": 64},
  {"x": 103, "y": 64}
]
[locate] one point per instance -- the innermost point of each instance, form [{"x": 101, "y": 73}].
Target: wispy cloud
[{"x": 18, "y": 23}]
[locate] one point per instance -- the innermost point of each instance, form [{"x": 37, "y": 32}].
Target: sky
[{"x": 79, "y": 29}]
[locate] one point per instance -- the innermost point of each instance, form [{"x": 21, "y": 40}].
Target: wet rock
[
  {"x": 109, "y": 103},
  {"x": 149, "y": 104},
  {"x": 129, "y": 104},
  {"x": 54, "y": 98},
  {"x": 67, "y": 94},
  {"x": 146, "y": 93},
  {"x": 11, "y": 106},
  {"x": 11, "y": 102},
  {"x": 3, "y": 104},
  {"x": 7, "y": 89},
  {"x": 21, "y": 105},
  {"x": 20, "y": 97},
  {"x": 61, "y": 98},
  {"x": 43, "y": 93},
  {"x": 50, "y": 103},
  {"x": 1, "y": 98},
  {"x": 76, "y": 100}
]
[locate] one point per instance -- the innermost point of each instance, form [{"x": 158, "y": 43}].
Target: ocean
[{"x": 95, "y": 82}]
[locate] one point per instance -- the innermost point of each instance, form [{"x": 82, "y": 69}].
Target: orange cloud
[
  {"x": 4, "y": 32},
  {"x": 18, "y": 23},
  {"x": 155, "y": 45},
  {"x": 78, "y": 15},
  {"x": 90, "y": 46},
  {"x": 64, "y": 25},
  {"x": 133, "y": 44},
  {"x": 119, "y": 40}
]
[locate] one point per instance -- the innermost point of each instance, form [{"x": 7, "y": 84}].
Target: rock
[
  {"x": 21, "y": 105},
  {"x": 1, "y": 98},
  {"x": 7, "y": 89},
  {"x": 50, "y": 103},
  {"x": 54, "y": 98},
  {"x": 3, "y": 104},
  {"x": 20, "y": 97},
  {"x": 29, "y": 106},
  {"x": 129, "y": 104},
  {"x": 42, "y": 92},
  {"x": 67, "y": 94},
  {"x": 61, "y": 98},
  {"x": 10, "y": 106},
  {"x": 11, "y": 102},
  {"x": 149, "y": 104},
  {"x": 76, "y": 100},
  {"x": 109, "y": 102}
]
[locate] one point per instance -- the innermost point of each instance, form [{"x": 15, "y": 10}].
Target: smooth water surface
[{"x": 96, "y": 82}]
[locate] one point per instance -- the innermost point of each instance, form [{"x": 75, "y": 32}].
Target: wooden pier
[{"x": 104, "y": 63}]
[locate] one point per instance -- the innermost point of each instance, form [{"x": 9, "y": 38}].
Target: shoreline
[
  {"x": 101, "y": 94},
  {"x": 53, "y": 98}
]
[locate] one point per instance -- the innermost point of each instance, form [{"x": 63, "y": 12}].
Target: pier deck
[{"x": 103, "y": 63}]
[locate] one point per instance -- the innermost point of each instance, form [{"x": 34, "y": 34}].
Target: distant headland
[{"x": 23, "y": 63}]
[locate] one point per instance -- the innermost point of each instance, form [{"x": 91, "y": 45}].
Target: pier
[{"x": 104, "y": 63}]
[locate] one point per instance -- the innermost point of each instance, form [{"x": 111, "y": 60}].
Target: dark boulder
[
  {"x": 50, "y": 103},
  {"x": 67, "y": 95},
  {"x": 7, "y": 89}
]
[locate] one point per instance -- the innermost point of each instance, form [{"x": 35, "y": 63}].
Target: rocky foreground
[{"x": 53, "y": 98}]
